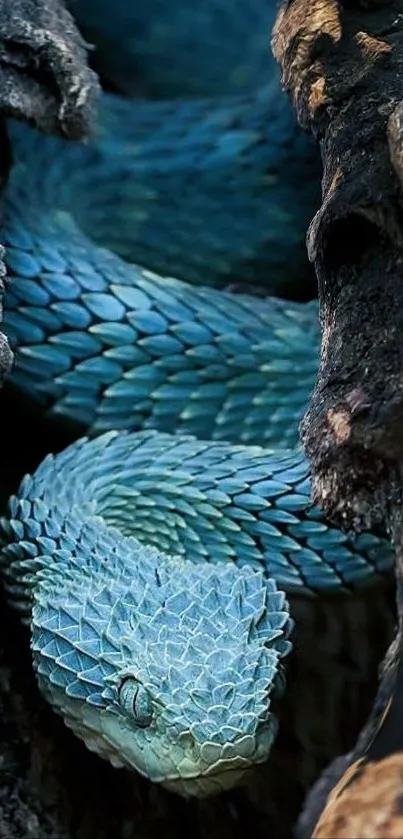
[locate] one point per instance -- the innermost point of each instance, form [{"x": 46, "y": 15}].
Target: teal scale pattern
[
  {"x": 209, "y": 502},
  {"x": 116, "y": 550},
  {"x": 108, "y": 344},
  {"x": 211, "y": 192}
]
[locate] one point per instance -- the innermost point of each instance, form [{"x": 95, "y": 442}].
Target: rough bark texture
[
  {"x": 342, "y": 64},
  {"x": 44, "y": 76}
]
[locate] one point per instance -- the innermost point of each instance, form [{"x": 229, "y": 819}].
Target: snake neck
[
  {"x": 205, "y": 191},
  {"x": 180, "y": 51}
]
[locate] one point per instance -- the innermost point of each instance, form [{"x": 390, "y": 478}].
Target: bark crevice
[{"x": 342, "y": 65}]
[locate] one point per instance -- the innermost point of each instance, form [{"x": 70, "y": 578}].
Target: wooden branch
[
  {"x": 342, "y": 65},
  {"x": 44, "y": 76}
]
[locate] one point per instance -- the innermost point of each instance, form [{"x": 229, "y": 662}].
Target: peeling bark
[{"x": 342, "y": 65}]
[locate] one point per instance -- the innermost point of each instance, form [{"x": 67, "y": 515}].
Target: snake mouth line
[
  {"x": 205, "y": 785},
  {"x": 211, "y": 775}
]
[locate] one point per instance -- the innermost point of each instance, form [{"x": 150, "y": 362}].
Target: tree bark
[
  {"x": 44, "y": 75},
  {"x": 342, "y": 65}
]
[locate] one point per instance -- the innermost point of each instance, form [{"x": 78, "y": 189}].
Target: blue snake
[{"x": 153, "y": 558}]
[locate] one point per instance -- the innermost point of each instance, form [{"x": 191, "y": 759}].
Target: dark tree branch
[
  {"x": 361, "y": 793},
  {"x": 342, "y": 65},
  {"x": 44, "y": 76}
]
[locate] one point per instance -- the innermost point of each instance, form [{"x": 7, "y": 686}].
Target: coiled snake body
[{"x": 158, "y": 651}]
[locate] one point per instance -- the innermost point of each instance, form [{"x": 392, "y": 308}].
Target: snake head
[{"x": 165, "y": 666}]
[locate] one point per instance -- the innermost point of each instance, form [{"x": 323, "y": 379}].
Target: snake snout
[{"x": 219, "y": 766}]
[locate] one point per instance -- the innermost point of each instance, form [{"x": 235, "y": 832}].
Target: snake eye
[{"x": 136, "y": 701}]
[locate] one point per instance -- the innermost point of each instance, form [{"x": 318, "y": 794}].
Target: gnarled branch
[
  {"x": 44, "y": 76},
  {"x": 342, "y": 64}
]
